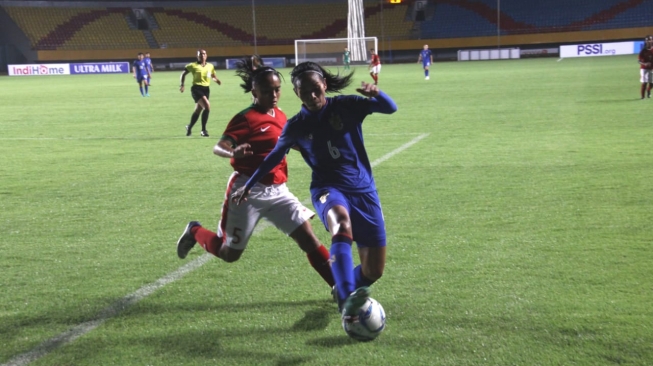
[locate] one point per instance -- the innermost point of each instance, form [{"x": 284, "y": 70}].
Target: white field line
[{"x": 143, "y": 292}]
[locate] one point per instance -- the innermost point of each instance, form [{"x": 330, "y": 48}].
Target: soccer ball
[{"x": 370, "y": 322}]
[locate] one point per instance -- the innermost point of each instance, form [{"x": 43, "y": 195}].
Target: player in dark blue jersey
[
  {"x": 140, "y": 74},
  {"x": 328, "y": 133},
  {"x": 426, "y": 58},
  {"x": 149, "y": 66}
]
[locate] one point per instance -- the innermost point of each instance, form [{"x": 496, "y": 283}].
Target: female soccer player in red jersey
[
  {"x": 248, "y": 138},
  {"x": 375, "y": 66},
  {"x": 646, "y": 67}
]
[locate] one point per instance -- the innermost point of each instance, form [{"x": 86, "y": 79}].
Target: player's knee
[{"x": 229, "y": 255}]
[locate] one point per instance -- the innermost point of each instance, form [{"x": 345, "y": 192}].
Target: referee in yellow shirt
[{"x": 202, "y": 72}]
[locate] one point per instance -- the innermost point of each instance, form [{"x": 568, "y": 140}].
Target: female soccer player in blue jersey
[{"x": 328, "y": 133}]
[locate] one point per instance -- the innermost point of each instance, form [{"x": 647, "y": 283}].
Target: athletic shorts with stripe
[{"x": 275, "y": 203}]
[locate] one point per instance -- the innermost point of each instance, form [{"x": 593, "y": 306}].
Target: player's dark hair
[
  {"x": 139, "y": 54},
  {"x": 245, "y": 70},
  {"x": 334, "y": 82},
  {"x": 258, "y": 59}
]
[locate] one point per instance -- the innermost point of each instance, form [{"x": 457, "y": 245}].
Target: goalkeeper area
[{"x": 331, "y": 51}]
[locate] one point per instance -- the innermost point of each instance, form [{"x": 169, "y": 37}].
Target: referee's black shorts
[{"x": 199, "y": 91}]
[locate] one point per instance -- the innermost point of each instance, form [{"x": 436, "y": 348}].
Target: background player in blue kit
[
  {"x": 426, "y": 57},
  {"x": 141, "y": 74},
  {"x": 328, "y": 133},
  {"x": 149, "y": 67}
]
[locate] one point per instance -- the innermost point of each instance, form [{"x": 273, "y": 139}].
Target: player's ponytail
[
  {"x": 334, "y": 82},
  {"x": 247, "y": 72}
]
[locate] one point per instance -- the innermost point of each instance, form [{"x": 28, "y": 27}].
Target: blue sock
[
  {"x": 361, "y": 280},
  {"x": 342, "y": 265},
  {"x": 146, "y": 88},
  {"x": 141, "y": 89},
  {"x": 426, "y": 72}
]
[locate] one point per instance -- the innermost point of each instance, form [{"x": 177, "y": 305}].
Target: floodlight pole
[
  {"x": 254, "y": 26},
  {"x": 498, "y": 23},
  {"x": 382, "y": 30}
]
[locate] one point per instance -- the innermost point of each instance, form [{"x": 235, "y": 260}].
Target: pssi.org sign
[{"x": 598, "y": 49}]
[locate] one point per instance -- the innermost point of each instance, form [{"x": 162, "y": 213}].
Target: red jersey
[
  {"x": 261, "y": 131},
  {"x": 375, "y": 60},
  {"x": 646, "y": 55}
]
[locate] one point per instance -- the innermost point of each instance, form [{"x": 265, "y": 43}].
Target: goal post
[{"x": 330, "y": 51}]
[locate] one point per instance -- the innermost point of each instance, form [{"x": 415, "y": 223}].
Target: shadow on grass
[{"x": 197, "y": 343}]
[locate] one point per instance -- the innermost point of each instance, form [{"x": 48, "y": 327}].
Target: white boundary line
[{"x": 145, "y": 291}]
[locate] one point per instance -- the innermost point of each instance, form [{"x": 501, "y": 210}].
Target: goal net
[{"x": 330, "y": 51}]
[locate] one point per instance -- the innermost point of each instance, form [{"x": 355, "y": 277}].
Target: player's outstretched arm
[{"x": 380, "y": 102}]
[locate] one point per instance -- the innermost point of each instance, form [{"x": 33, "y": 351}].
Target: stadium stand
[
  {"x": 227, "y": 26},
  {"x": 76, "y": 28},
  {"x": 474, "y": 18}
]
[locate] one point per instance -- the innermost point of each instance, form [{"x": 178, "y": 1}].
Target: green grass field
[{"x": 519, "y": 226}]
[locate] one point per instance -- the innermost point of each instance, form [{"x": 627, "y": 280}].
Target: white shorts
[
  {"x": 646, "y": 76},
  {"x": 376, "y": 69},
  {"x": 274, "y": 203}
]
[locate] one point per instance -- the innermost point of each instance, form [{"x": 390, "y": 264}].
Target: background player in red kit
[
  {"x": 247, "y": 140},
  {"x": 646, "y": 67},
  {"x": 375, "y": 66}
]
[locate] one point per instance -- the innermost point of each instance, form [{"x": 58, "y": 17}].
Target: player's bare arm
[
  {"x": 225, "y": 149},
  {"x": 182, "y": 80},
  {"x": 215, "y": 78}
]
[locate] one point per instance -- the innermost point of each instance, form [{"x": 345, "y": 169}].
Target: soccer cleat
[
  {"x": 187, "y": 130},
  {"x": 426, "y": 78},
  {"x": 204, "y": 133},
  {"x": 354, "y": 302},
  {"x": 147, "y": 95},
  {"x": 187, "y": 240}
]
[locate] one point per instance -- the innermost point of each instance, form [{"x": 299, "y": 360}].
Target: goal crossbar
[{"x": 326, "y": 49}]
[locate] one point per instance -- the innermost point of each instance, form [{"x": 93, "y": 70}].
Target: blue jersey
[
  {"x": 331, "y": 143},
  {"x": 426, "y": 56},
  {"x": 148, "y": 64},
  {"x": 141, "y": 71}
]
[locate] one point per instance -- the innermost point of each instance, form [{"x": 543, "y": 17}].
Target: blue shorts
[
  {"x": 367, "y": 223},
  {"x": 426, "y": 64},
  {"x": 140, "y": 78}
]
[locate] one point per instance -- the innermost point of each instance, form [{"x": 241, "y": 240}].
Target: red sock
[
  {"x": 208, "y": 240},
  {"x": 643, "y": 90},
  {"x": 319, "y": 259}
]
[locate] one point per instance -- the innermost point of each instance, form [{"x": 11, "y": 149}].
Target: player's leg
[
  {"x": 333, "y": 209},
  {"x": 206, "y": 105},
  {"x": 237, "y": 223},
  {"x": 139, "y": 80},
  {"x": 146, "y": 81},
  {"x": 291, "y": 217},
  {"x": 195, "y": 233},
  {"x": 195, "y": 93},
  {"x": 643, "y": 80},
  {"x": 370, "y": 236},
  {"x": 426, "y": 72},
  {"x": 371, "y": 267},
  {"x": 649, "y": 78}
]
